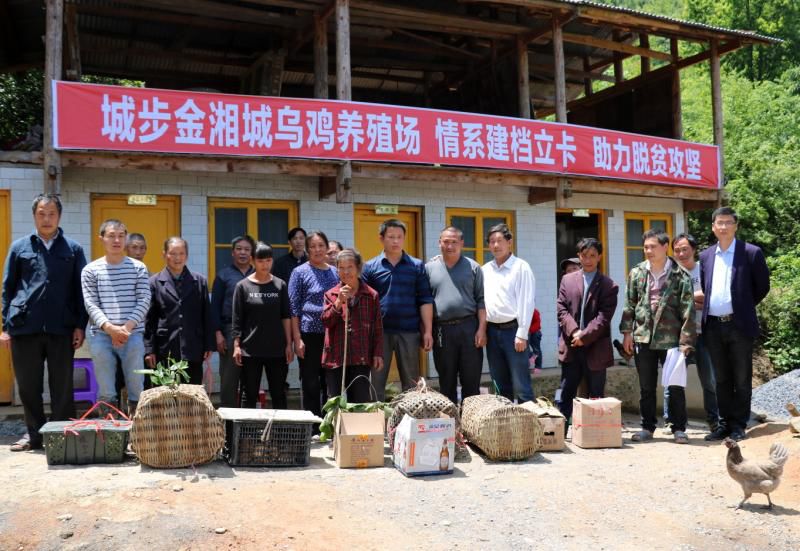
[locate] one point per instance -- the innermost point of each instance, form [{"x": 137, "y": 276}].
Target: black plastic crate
[{"x": 288, "y": 444}]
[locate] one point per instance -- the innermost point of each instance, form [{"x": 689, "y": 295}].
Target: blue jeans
[
  {"x": 104, "y": 357},
  {"x": 509, "y": 368},
  {"x": 705, "y": 372},
  {"x": 535, "y": 348}
]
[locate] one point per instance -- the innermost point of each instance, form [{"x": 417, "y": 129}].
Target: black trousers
[
  {"x": 276, "y": 370},
  {"x": 571, "y": 375},
  {"x": 732, "y": 357},
  {"x": 455, "y": 357},
  {"x": 311, "y": 373},
  {"x": 358, "y": 388},
  {"x": 28, "y": 353},
  {"x": 647, "y": 361}
]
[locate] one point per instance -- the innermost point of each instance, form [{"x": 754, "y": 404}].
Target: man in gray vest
[{"x": 459, "y": 332}]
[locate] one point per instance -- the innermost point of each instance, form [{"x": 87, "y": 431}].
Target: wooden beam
[
  {"x": 612, "y": 46},
  {"x": 320, "y": 57},
  {"x": 437, "y": 44},
  {"x": 705, "y": 55},
  {"x": 558, "y": 68},
  {"x": 53, "y": 48},
  {"x": 322, "y": 14},
  {"x": 227, "y": 12},
  {"x": 644, "y": 42},
  {"x": 716, "y": 104},
  {"x": 73, "y": 43},
  {"x": 677, "y": 117},
  {"x": 690, "y": 205},
  {"x": 574, "y": 73},
  {"x": 641, "y": 189},
  {"x": 523, "y": 79},
  {"x": 344, "y": 174},
  {"x": 587, "y": 78},
  {"x": 619, "y": 71},
  {"x": 24, "y": 157}
]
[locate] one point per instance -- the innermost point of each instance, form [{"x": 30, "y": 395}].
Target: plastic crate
[
  {"x": 89, "y": 445},
  {"x": 289, "y": 444}
]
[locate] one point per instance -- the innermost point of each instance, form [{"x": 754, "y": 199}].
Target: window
[
  {"x": 635, "y": 225},
  {"x": 267, "y": 221},
  {"x": 475, "y": 223}
]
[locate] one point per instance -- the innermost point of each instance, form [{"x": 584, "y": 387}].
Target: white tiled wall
[{"x": 534, "y": 225}]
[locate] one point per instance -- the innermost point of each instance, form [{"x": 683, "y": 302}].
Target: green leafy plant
[
  {"x": 169, "y": 374},
  {"x": 339, "y": 403}
]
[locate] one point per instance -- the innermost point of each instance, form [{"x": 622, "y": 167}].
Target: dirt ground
[{"x": 656, "y": 495}]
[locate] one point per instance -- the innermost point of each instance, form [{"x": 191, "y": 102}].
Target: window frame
[
  {"x": 480, "y": 214},
  {"x": 647, "y": 219},
  {"x": 252, "y": 206}
]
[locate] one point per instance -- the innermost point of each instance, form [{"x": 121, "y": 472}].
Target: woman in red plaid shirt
[{"x": 354, "y": 298}]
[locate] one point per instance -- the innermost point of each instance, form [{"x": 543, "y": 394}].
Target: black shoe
[
  {"x": 738, "y": 435},
  {"x": 720, "y": 433}
]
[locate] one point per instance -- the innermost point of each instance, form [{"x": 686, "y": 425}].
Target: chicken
[{"x": 756, "y": 477}]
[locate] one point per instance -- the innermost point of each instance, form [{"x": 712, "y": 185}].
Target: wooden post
[
  {"x": 619, "y": 72},
  {"x": 677, "y": 117},
  {"x": 558, "y": 70},
  {"x": 644, "y": 42},
  {"x": 587, "y": 80},
  {"x": 73, "y": 43},
  {"x": 53, "y": 52},
  {"x": 320, "y": 57},
  {"x": 716, "y": 104},
  {"x": 344, "y": 174},
  {"x": 523, "y": 79}
]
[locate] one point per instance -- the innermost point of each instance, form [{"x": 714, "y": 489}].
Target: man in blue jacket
[
  {"x": 735, "y": 279},
  {"x": 43, "y": 316}
]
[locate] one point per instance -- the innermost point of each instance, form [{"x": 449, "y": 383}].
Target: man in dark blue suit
[{"x": 735, "y": 279}]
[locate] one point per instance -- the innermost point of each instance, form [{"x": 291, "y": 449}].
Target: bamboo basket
[
  {"x": 176, "y": 427},
  {"x": 502, "y": 430},
  {"x": 420, "y": 403}
]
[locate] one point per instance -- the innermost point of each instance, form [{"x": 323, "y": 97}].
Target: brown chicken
[{"x": 756, "y": 477}]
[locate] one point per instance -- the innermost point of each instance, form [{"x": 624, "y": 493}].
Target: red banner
[{"x": 90, "y": 116}]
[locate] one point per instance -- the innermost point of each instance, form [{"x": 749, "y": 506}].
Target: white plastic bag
[{"x": 674, "y": 370}]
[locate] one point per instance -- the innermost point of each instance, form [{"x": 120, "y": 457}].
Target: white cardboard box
[{"x": 424, "y": 446}]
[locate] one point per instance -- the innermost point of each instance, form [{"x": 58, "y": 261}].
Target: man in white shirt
[{"x": 509, "y": 288}]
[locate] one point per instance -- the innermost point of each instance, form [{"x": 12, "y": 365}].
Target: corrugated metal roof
[{"x": 743, "y": 34}]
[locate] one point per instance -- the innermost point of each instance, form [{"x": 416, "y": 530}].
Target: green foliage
[
  {"x": 169, "y": 374},
  {"x": 779, "y": 312},
  {"x": 21, "y": 105},
  {"x": 339, "y": 403}
]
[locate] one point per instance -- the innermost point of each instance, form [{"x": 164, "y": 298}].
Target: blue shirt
[
  {"x": 42, "y": 286},
  {"x": 307, "y": 288},
  {"x": 222, "y": 295},
  {"x": 403, "y": 289}
]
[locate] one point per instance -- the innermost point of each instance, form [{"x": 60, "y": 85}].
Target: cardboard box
[
  {"x": 425, "y": 446},
  {"x": 358, "y": 440},
  {"x": 597, "y": 423},
  {"x": 553, "y": 423}
]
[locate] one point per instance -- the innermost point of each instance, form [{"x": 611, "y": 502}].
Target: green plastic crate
[{"x": 90, "y": 445}]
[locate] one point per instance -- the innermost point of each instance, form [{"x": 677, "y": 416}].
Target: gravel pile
[
  {"x": 771, "y": 397},
  {"x": 12, "y": 428}
]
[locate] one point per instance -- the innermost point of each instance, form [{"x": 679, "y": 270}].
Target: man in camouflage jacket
[{"x": 658, "y": 315}]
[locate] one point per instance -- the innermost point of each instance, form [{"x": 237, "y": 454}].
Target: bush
[{"x": 779, "y": 313}]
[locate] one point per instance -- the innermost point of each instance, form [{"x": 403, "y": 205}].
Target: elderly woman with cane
[{"x": 353, "y": 331}]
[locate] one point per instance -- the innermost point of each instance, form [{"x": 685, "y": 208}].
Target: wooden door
[
  {"x": 367, "y": 242},
  {"x": 156, "y": 222},
  {"x": 6, "y": 372}
]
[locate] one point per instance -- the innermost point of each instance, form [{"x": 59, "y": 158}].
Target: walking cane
[{"x": 346, "y": 316}]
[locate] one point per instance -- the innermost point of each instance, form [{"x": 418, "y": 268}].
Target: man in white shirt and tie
[{"x": 509, "y": 288}]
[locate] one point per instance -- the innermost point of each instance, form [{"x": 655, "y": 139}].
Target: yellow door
[
  {"x": 6, "y": 373},
  {"x": 156, "y": 222},
  {"x": 367, "y": 230}
]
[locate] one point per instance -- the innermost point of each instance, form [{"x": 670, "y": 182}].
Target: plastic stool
[{"x": 86, "y": 394}]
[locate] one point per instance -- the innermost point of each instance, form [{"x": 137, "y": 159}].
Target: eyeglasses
[{"x": 724, "y": 223}]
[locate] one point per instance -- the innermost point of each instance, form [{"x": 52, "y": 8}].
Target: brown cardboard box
[
  {"x": 597, "y": 423},
  {"x": 552, "y": 423},
  {"x": 358, "y": 440}
]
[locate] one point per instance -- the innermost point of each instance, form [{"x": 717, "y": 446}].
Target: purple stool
[{"x": 89, "y": 393}]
